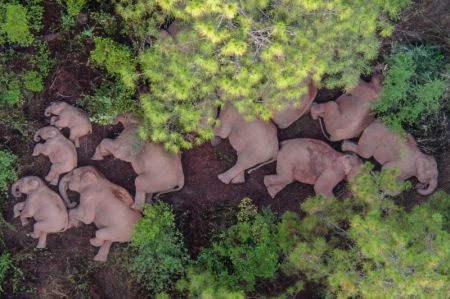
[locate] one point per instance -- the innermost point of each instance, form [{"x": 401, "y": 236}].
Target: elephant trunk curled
[
  {"x": 63, "y": 185},
  {"x": 428, "y": 190},
  {"x": 37, "y": 135},
  {"x": 15, "y": 189}
]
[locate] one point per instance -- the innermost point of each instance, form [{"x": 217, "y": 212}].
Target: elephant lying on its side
[
  {"x": 103, "y": 203},
  {"x": 391, "y": 151},
  {"x": 43, "y": 204},
  {"x": 312, "y": 162},
  {"x": 67, "y": 116},
  {"x": 158, "y": 170},
  {"x": 255, "y": 142},
  {"x": 351, "y": 113},
  {"x": 58, "y": 149}
]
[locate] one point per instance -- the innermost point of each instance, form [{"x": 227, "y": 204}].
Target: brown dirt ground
[{"x": 65, "y": 269}]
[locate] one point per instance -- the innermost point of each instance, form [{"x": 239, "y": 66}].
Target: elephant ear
[
  {"x": 122, "y": 195},
  {"x": 34, "y": 183},
  {"x": 89, "y": 178},
  {"x": 53, "y": 132}
]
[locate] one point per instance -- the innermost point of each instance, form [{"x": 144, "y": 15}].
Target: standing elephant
[
  {"x": 351, "y": 113},
  {"x": 288, "y": 116},
  {"x": 58, "y": 149},
  {"x": 255, "y": 142},
  {"x": 312, "y": 162},
  {"x": 103, "y": 203},
  {"x": 393, "y": 151},
  {"x": 67, "y": 116},
  {"x": 158, "y": 170},
  {"x": 43, "y": 204}
]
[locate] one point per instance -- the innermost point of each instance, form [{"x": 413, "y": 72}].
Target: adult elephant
[
  {"x": 313, "y": 162},
  {"x": 103, "y": 203},
  {"x": 395, "y": 151},
  {"x": 158, "y": 170}
]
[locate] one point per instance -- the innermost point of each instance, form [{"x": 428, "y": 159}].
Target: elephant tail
[
  {"x": 177, "y": 188},
  {"x": 325, "y": 134},
  {"x": 262, "y": 164}
]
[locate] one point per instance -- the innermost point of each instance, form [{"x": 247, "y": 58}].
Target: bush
[
  {"x": 241, "y": 50},
  {"x": 415, "y": 86},
  {"x": 368, "y": 247},
  {"x": 160, "y": 253},
  {"x": 8, "y": 169},
  {"x": 15, "y": 25},
  {"x": 238, "y": 257}
]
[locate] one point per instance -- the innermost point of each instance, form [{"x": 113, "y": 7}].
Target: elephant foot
[
  {"x": 52, "y": 182},
  {"x": 224, "y": 178},
  {"x": 100, "y": 257},
  {"x": 348, "y": 146},
  {"x": 35, "y": 235},
  {"x": 272, "y": 192},
  {"x": 35, "y": 153},
  {"x": 239, "y": 179},
  {"x": 96, "y": 242},
  {"x": 97, "y": 158},
  {"x": 41, "y": 244},
  {"x": 137, "y": 207},
  {"x": 215, "y": 141}
]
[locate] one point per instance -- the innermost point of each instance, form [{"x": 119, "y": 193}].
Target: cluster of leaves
[
  {"x": 160, "y": 253},
  {"x": 416, "y": 84},
  {"x": 8, "y": 169},
  {"x": 369, "y": 247},
  {"x": 240, "y": 50},
  {"x": 237, "y": 258}
]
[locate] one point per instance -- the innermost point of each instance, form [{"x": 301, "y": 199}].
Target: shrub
[
  {"x": 238, "y": 257},
  {"x": 8, "y": 169},
  {"x": 368, "y": 247},
  {"x": 33, "y": 81},
  {"x": 416, "y": 83},
  {"x": 160, "y": 253},
  {"x": 15, "y": 25},
  {"x": 5, "y": 266},
  {"x": 241, "y": 49}
]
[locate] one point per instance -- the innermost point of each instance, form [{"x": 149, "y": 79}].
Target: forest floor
[{"x": 66, "y": 270}]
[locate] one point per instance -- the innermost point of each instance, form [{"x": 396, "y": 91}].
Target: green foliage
[
  {"x": 117, "y": 59},
  {"x": 416, "y": 84},
  {"x": 33, "y": 81},
  {"x": 160, "y": 254},
  {"x": 368, "y": 247},
  {"x": 238, "y": 257},
  {"x": 109, "y": 100},
  {"x": 74, "y": 7},
  {"x": 8, "y": 169},
  {"x": 5, "y": 266},
  {"x": 15, "y": 25}
]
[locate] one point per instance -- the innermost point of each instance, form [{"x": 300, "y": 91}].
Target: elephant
[
  {"x": 255, "y": 142},
  {"x": 67, "y": 116},
  {"x": 285, "y": 118},
  {"x": 351, "y": 113},
  {"x": 158, "y": 170},
  {"x": 61, "y": 152},
  {"x": 314, "y": 162},
  {"x": 43, "y": 204},
  {"x": 103, "y": 203},
  {"x": 392, "y": 150}
]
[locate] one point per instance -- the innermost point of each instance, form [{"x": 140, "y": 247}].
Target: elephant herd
[{"x": 114, "y": 211}]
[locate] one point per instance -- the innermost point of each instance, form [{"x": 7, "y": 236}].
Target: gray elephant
[
  {"x": 103, "y": 203},
  {"x": 61, "y": 152},
  {"x": 42, "y": 204},
  {"x": 393, "y": 151}
]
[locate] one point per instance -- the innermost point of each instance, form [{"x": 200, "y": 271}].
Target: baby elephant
[
  {"x": 158, "y": 170},
  {"x": 43, "y": 204},
  {"x": 59, "y": 149},
  {"x": 103, "y": 203},
  {"x": 312, "y": 162},
  {"x": 67, "y": 116},
  {"x": 390, "y": 150},
  {"x": 351, "y": 113},
  {"x": 256, "y": 142}
]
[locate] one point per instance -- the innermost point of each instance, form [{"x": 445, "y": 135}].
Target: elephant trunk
[
  {"x": 63, "y": 185},
  {"x": 15, "y": 189},
  {"x": 48, "y": 112},
  {"x": 37, "y": 135},
  {"x": 428, "y": 190}
]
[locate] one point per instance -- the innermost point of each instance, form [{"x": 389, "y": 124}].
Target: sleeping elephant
[
  {"x": 289, "y": 115},
  {"x": 351, "y": 113},
  {"x": 392, "y": 151},
  {"x": 158, "y": 170},
  {"x": 255, "y": 142},
  {"x": 58, "y": 149},
  {"x": 103, "y": 203},
  {"x": 67, "y": 116},
  {"x": 43, "y": 204},
  {"x": 312, "y": 162}
]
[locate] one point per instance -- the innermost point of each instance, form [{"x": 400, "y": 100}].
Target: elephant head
[
  {"x": 350, "y": 164},
  {"x": 55, "y": 108},
  {"x": 78, "y": 180},
  {"x": 126, "y": 119},
  {"x": 46, "y": 133},
  {"x": 26, "y": 185},
  {"x": 427, "y": 174}
]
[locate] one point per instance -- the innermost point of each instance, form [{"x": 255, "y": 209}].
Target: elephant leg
[
  {"x": 245, "y": 161},
  {"x": 103, "y": 252},
  {"x": 365, "y": 151},
  {"x": 18, "y": 208},
  {"x": 239, "y": 179},
  {"x": 276, "y": 188},
  {"x": 103, "y": 149},
  {"x": 75, "y": 136},
  {"x": 40, "y": 232},
  {"x": 60, "y": 123},
  {"x": 53, "y": 175},
  {"x": 23, "y": 218},
  {"x": 325, "y": 183},
  {"x": 96, "y": 242},
  {"x": 53, "y": 120},
  {"x": 42, "y": 243},
  {"x": 103, "y": 238},
  {"x": 215, "y": 141}
]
